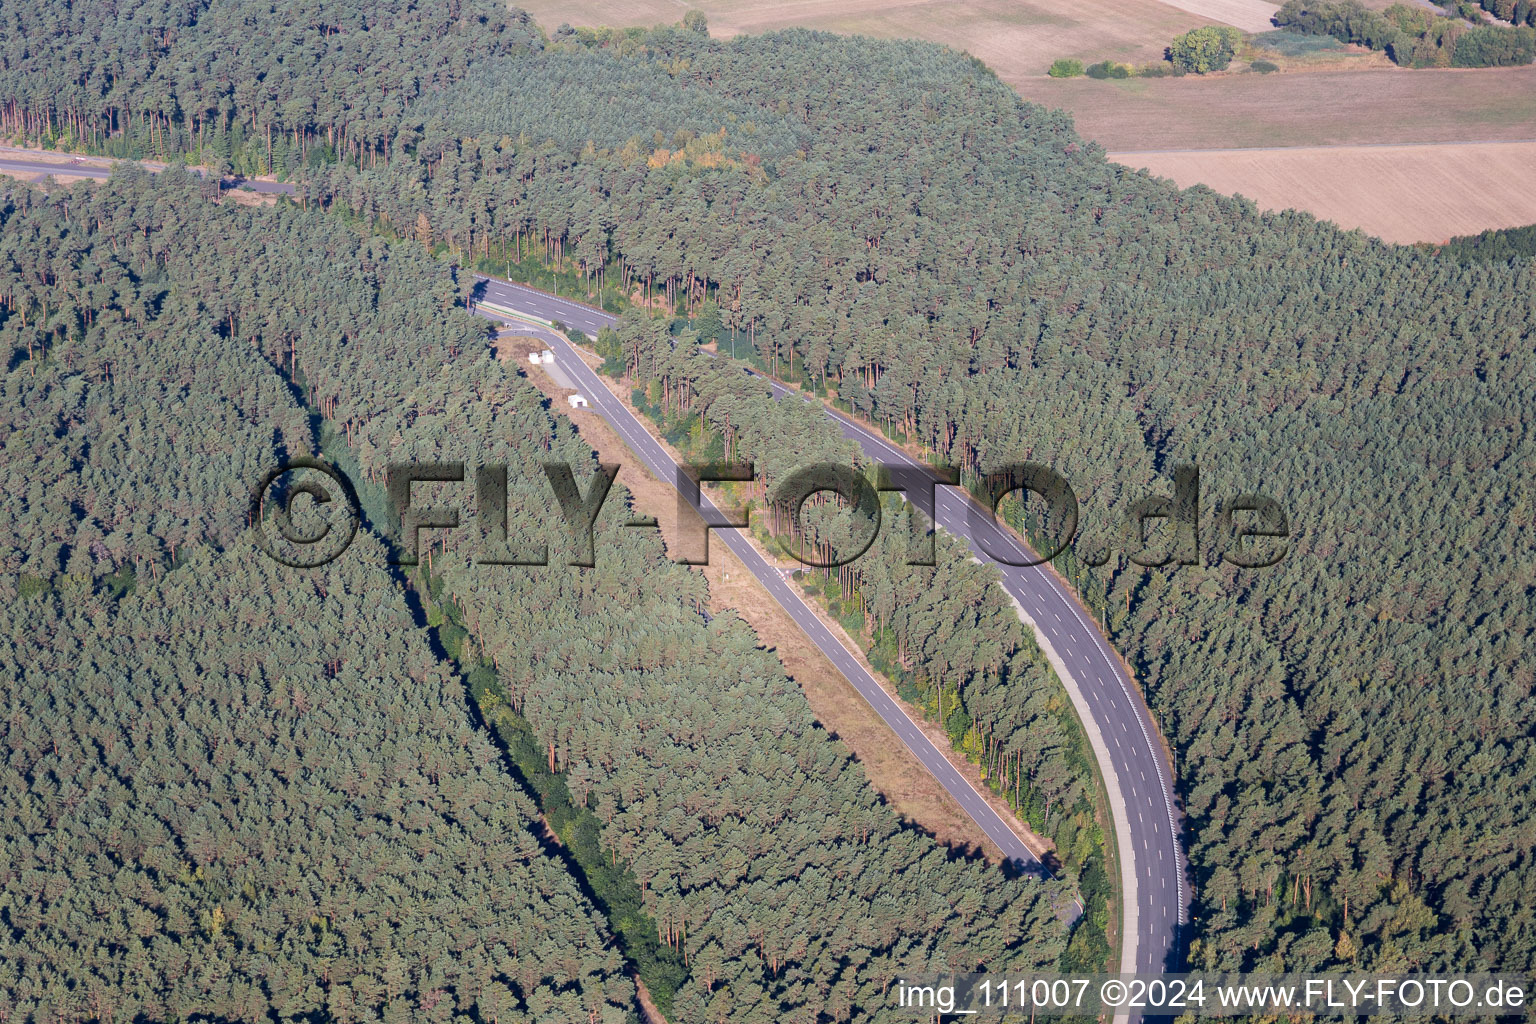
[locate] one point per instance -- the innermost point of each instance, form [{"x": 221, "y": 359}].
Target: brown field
[
  {"x": 1424, "y": 193},
  {"x": 1320, "y": 108},
  {"x": 1351, "y": 98},
  {"x": 1019, "y": 39},
  {"x": 890, "y": 767},
  {"x": 1016, "y": 38}
]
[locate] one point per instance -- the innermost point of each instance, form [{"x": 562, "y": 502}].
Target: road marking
[{"x": 1042, "y": 580}]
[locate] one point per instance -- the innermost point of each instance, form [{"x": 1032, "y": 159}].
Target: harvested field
[
  {"x": 1016, "y": 38},
  {"x": 1315, "y": 108},
  {"x": 1248, "y": 15},
  {"x": 615, "y": 13},
  {"x": 1425, "y": 193}
]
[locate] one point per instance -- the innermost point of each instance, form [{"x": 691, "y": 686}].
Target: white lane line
[
  {"x": 1042, "y": 578},
  {"x": 926, "y": 752}
]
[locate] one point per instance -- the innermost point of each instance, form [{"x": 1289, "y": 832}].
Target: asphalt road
[
  {"x": 784, "y": 592},
  {"x": 1132, "y": 761},
  {"x": 42, "y": 167},
  {"x": 19, "y": 166},
  {"x": 1131, "y": 758}
]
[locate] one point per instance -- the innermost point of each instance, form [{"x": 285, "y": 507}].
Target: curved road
[
  {"x": 660, "y": 463},
  {"x": 1132, "y": 760},
  {"x": 1135, "y": 769}
]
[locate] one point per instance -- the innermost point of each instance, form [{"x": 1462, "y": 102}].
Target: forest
[
  {"x": 1493, "y": 246},
  {"x": 231, "y": 790},
  {"x": 962, "y": 270},
  {"x": 1516, "y": 12},
  {"x": 1414, "y": 37},
  {"x": 888, "y": 226},
  {"x": 774, "y": 881},
  {"x": 945, "y": 634}
]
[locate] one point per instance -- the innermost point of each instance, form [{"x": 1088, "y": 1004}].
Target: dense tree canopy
[
  {"x": 758, "y": 849},
  {"x": 961, "y": 269},
  {"x": 230, "y": 790},
  {"x": 1494, "y": 246},
  {"x": 245, "y": 791},
  {"x": 115, "y": 447},
  {"x": 886, "y": 223},
  {"x": 945, "y": 632},
  {"x": 241, "y": 78}
]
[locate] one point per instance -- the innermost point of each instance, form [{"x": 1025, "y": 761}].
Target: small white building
[
  {"x": 547, "y": 356},
  {"x": 533, "y": 357},
  {"x": 577, "y": 401}
]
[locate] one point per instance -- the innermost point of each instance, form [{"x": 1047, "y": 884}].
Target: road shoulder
[{"x": 892, "y": 769}]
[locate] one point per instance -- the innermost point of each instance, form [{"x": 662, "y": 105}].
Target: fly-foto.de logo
[{"x": 306, "y": 513}]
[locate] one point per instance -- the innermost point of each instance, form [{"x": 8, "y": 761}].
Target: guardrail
[{"x": 508, "y": 313}]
